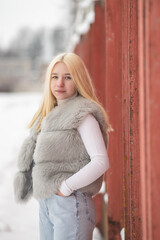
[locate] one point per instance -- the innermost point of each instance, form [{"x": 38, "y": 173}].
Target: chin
[{"x": 61, "y": 98}]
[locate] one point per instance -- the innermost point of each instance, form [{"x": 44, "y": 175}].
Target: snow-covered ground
[{"x": 17, "y": 221}]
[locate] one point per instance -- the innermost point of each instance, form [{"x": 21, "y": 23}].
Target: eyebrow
[{"x": 64, "y": 74}]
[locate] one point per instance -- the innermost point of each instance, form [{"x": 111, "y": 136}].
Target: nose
[{"x": 60, "y": 82}]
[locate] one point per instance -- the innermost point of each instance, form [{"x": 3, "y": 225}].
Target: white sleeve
[{"x": 92, "y": 138}]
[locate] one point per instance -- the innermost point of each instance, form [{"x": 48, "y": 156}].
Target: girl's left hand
[{"x": 60, "y": 194}]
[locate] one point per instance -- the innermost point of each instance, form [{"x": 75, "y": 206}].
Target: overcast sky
[{"x": 15, "y": 14}]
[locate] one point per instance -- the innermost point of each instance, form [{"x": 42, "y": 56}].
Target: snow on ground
[{"x": 17, "y": 221}]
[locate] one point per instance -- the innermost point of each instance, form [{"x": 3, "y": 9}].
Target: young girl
[{"x": 63, "y": 160}]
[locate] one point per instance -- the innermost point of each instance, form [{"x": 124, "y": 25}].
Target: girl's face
[{"x": 62, "y": 85}]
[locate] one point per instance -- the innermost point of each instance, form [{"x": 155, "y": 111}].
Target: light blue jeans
[{"x": 67, "y": 218}]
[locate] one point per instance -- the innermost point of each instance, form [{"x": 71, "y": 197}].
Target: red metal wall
[
  {"x": 133, "y": 99},
  {"x": 123, "y": 100},
  {"x": 149, "y": 89},
  {"x": 122, "y": 52},
  {"x": 92, "y": 50},
  {"x": 114, "y": 98}
]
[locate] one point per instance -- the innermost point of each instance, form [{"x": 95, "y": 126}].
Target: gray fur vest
[{"x": 58, "y": 151}]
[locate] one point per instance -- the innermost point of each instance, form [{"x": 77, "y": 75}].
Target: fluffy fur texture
[
  {"x": 59, "y": 150},
  {"x": 22, "y": 187},
  {"x": 23, "y": 179}
]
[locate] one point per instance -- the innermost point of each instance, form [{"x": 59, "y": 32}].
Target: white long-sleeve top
[{"x": 92, "y": 138}]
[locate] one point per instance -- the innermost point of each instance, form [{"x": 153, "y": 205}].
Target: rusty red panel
[
  {"x": 134, "y": 150},
  {"x": 99, "y": 210},
  {"x": 128, "y": 85},
  {"x": 114, "y": 106},
  {"x": 153, "y": 99},
  {"x": 143, "y": 119},
  {"x": 149, "y": 57},
  {"x": 92, "y": 50},
  {"x": 122, "y": 101}
]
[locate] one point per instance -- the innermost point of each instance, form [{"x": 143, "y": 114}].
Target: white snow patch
[
  {"x": 97, "y": 235},
  {"x": 122, "y": 233},
  {"x": 103, "y": 187},
  {"x": 106, "y": 197},
  {"x": 84, "y": 16},
  {"x": 17, "y": 221}
]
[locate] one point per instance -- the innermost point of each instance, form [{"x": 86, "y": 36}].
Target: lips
[{"x": 59, "y": 91}]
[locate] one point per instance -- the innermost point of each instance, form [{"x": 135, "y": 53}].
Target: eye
[
  {"x": 68, "y": 77},
  {"x": 55, "y": 77}
]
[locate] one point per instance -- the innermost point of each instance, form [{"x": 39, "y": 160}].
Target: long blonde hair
[{"x": 82, "y": 81}]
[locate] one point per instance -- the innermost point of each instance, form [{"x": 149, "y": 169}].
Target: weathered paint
[
  {"x": 114, "y": 106},
  {"x": 122, "y": 50},
  {"x": 126, "y": 50},
  {"x": 92, "y": 50},
  {"x": 149, "y": 89}
]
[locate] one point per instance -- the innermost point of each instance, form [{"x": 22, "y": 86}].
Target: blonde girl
[{"x": 63, "y": 160}]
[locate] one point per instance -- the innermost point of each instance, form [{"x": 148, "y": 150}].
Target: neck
[{"x": 61, "y": 101}]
